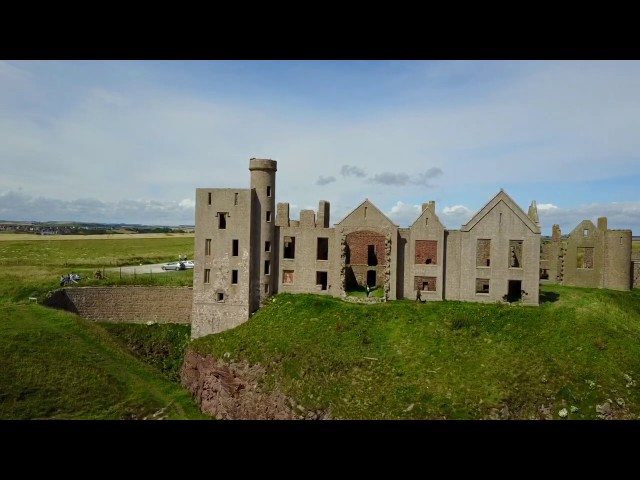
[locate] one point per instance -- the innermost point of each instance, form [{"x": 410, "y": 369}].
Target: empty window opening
[
  {"x": 620, "y": 240},
  {"x": 267, "y": 267},
  {"x": 515, "y": 253},
  {"x": 426, "y": 252},
  {"x": 268, "y": 190},
  {"x": 267, "y": 246},
  {"x": 209, "y": 201},
  {"x": 266, "y": 289},
  {"x": 426, "y": 221},
  {"x": 235, "y": 199},
  {"x": 287, "y": 277},
  {"x": 323, "y": 249},
  {"x": 365, "y": 212},
  {"x": 207, "y": 275},
  {"x": 482, "y": 285},
  {"x": 500, "y": 220},
  {"x": 268, "y": 216},
  {"x": 207, "y": 246},
  {"x": 515, "y": 291},
  {"x": 427, "y": 284},
  {"x": 222, "y": 220},
  {"x": 321, "y": 279},
  {"x": 220, "y": 297},
  {"x": 234, "y": 277},
  {"x": 585, "y": 232},
  {"x": 372, "y": 259},
  {"x": 235, "y": 246},
  {"x": 584, "y": 257},
  {"x": 371, "y": 278},
  {"x": 430, "y": 284},
  {"x": 483, "y": 253},
  {"x": 289, "y": 247}
]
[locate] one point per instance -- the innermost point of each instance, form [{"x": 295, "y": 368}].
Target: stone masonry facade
[
  {"x": 591, "y": 256},
  {"x": 127, "y": 304},
  {"x": 258, "y": 251}
]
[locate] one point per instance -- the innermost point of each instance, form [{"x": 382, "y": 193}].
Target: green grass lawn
[
  {"x": 57, "y": 366},
  {"x": 454, "y": 360}
]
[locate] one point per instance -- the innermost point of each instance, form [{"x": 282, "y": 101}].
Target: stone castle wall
[{"x": 127, "y": 304}]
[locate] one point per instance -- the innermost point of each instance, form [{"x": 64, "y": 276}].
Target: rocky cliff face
[{"x": 231, "y": 391}]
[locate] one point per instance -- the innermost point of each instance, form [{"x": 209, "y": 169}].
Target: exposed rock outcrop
[{"x": 231, "y": 391}]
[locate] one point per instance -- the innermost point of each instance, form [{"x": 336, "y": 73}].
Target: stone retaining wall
[{"x": 126, "y": 304}]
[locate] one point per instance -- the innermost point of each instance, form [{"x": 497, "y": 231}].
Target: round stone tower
[{"x": 263, "y": 220}]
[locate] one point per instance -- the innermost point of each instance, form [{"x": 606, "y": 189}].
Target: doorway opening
[{"x": 515, "y": 291}]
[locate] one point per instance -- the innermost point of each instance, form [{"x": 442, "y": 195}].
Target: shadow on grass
[{"x": 549, "y": 297}]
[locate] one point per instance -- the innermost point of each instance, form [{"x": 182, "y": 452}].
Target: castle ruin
[{"x": 247, "y": 248}]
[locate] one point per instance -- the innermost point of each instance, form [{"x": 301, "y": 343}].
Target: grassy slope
[
  {"x": 404, "y": 360},
  {"x": 58, "y": 366}
]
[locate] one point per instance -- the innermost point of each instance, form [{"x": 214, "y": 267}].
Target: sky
[{"x": 130, "y": 141}]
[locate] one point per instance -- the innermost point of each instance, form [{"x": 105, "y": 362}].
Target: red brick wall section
[
  {"x": 127, "y": 304},
  {"x": 426, "y": 250},
  {"x": 358, "y": 243}
]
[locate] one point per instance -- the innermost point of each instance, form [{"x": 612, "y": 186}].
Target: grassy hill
[
  {"x": 58, "y": 366},
  {"x": 579, "y": 351},
  {"x": 55, "y": 365}
]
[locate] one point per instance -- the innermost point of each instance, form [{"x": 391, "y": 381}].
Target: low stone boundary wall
[
  {"x": 351, "y": 299},
  {"x": 127, "y": 304}
]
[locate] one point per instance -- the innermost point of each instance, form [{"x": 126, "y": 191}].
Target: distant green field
[
  {"x": 635, "y": 246},
  {"x": 55, "y": 365},
  {"x": 29, "y": 268},
  {"x": 94, "y": 252}
]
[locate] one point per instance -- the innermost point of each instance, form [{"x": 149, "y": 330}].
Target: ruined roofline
[
  {"x": 577, "y": 230},
  {"x": 430, "y": 206},
  {"x": 224, "y": 189},
  {"x": 284, "y": 208},
  {"x": 263, "y": 164},
  {"x": 366, "y": 200},
  {"x": 509, "y": 202}
]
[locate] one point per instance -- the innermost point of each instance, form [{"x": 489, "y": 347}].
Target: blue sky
[{"x": 130, "y": 141}]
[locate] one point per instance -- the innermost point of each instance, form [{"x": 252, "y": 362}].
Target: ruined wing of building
[{"x": 247, "y": 249}]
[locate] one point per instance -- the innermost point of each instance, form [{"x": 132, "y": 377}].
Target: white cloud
[
  {"x": 620, "y": 215},
  {"x": 456, "y": 210},
  {"x": 546, "y": 206},
  {"x": 453, "y": 217},
  {"x": 16, "y": 206},
  {"x": 188, "y": 203},
  {"x": 404, "y": 214}
]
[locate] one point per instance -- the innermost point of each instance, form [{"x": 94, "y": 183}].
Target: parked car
[
  {"x": 189, "y": 264},
  {"x": 173, "y": 266}
]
